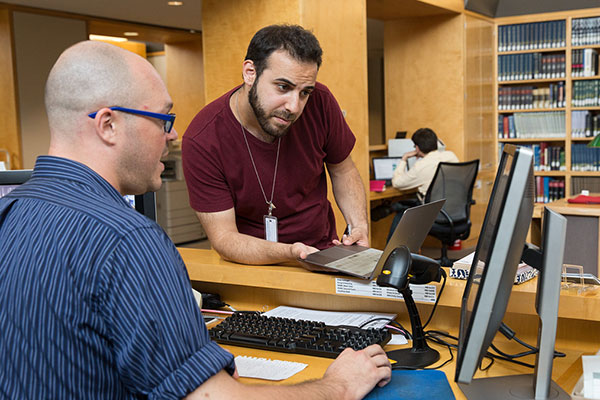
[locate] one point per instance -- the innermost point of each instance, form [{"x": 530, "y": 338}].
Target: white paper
[
  {"x": 591, "y": 376},
  {"x": 355, "y": 287},
  {"x": 262, "y": 368},
  {"x": 332, "y": 318}
]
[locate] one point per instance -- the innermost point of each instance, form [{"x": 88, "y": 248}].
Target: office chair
[{"x": 453, "y": 182}]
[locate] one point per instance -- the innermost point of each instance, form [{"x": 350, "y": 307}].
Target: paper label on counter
[{"x": 420, "y": 293}]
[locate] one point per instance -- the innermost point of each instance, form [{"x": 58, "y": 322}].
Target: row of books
[
  {"x": 590, "y": 183},
  {"x": 514, "y": 67},
  {"x": 531, "y": 125},
  {"x": 585, "y": 31},
  {"x": 584, "y": 124},
  {"x": 527, "y": 97},
  {"x": 584, "y": 62},
  {"x": 531, "y": 36},
  {"x": 548, "y": 189},
  {"x": 585, "y": 158},
  {"x": 548, "y": 158},
  {"x": 585, "y": 93}
]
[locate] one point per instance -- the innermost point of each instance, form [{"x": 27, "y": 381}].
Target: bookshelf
[{"x": 548, "y": 96}]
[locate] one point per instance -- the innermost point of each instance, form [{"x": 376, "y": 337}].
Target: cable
[
  {"x": 206, "y": 310},
  {"x": 436, "y": 300}
]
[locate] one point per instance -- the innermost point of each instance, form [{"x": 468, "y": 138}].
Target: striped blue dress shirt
[{"x": 95, "y": 301}]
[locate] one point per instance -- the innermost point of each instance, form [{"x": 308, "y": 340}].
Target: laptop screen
[{"x": 383, "y": 167}]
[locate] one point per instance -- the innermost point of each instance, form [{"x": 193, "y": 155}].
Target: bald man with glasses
[{"x": 95, "y": 301}]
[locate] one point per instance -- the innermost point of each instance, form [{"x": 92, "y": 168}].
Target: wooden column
[
  {"x": 185, "y": 80},
  {"x": 340, "y": 26},
  {"x": 10, "y": 138}
]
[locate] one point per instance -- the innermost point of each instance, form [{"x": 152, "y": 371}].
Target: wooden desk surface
[
  {"x": 566, "y": 371},
  {"x": 249, "y": 287},
  {"x": 390, "y": 192},
  {"x": 562, "y": 206}
]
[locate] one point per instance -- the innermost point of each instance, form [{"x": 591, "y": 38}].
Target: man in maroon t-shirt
[{"x": 254, "y": 159}]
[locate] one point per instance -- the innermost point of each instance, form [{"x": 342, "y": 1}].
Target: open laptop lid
[{"x": 411, "y": 232}]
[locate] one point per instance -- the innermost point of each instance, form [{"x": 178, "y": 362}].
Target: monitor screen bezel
[
  {"x": 144, "y": 203},
  {"x": 479, "y": 325},
  {"x": 15, "y": 176}
]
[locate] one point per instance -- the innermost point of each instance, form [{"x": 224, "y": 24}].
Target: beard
[{"x": 263, "y": 118}]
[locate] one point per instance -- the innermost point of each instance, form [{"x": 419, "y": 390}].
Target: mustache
[{"x": 285, "y": 115}]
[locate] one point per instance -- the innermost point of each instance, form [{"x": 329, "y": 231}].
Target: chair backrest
[{"x": 454, "y": 182}]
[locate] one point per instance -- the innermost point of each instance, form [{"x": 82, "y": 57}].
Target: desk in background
[
  {"x": 249, "y": 287},
  {"x": 583, "y": 232}
]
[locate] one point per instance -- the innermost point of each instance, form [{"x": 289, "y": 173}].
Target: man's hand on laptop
[
  {"x": 300, "y": 250},
  {"x": 359, "y": 236}
]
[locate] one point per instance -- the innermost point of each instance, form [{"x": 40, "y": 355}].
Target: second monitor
[{"x": 499, "y": 250}]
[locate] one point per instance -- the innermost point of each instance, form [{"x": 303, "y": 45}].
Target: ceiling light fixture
[
  {"x": 175, "y": 3},
  {"x": 130, "y": 33},
  {"x": 109, "y": 38}
]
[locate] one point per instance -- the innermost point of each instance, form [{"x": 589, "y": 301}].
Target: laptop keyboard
[{"x": 360, "y": 263}]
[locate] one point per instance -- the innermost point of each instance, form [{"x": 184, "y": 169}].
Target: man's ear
[
  {"x": 249, "y": 72},
  {"x": 105, "y": 126}
]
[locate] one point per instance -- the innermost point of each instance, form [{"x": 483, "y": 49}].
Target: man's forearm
[
  {"x": 350, "y": 197},
  {"x": 247, "y": 249}
]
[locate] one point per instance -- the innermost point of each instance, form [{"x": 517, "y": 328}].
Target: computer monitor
[
  {"x": 383, "y": 168},
  {"x": 499, "y": 250},
  {"x": 144, "y": 203},
  {"x": 10, "y": 179}
]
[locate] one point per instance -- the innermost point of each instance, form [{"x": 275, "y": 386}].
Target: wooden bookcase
[{"x": 574, "y": 180}]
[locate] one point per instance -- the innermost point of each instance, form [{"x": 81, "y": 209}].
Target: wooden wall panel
[
  {"x": 227, "y": 27},
  {"x": 185, "y": 80},
  {"x": 9, "y": 127},
  {"x": 479, "y": 134},
  {"x": 33, "y": 62},
  {"x": 424, "y": 79}
]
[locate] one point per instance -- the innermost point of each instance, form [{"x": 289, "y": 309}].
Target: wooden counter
[
  {"x": 262, "y": 287},
  {"x": 250, "y": 287},
  {"x": 583, "y": 232}
]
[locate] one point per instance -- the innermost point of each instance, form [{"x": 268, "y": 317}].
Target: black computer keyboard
[{"x": 294, "y": 336}]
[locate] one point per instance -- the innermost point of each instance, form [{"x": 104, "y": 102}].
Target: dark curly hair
[
  {"x": 426, "y": 139},
  {"x": 297, "y": 41}
]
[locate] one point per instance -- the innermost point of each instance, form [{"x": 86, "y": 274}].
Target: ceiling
[{"x": 153, "y": 12}]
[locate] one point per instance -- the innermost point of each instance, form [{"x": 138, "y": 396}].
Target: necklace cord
[{"x": 269, "y": 202}]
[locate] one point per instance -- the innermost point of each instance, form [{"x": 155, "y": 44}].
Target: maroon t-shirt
[{"x": 219, "y": 172}]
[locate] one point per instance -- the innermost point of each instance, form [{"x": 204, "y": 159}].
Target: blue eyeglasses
[{"x": 168, "y": 118}]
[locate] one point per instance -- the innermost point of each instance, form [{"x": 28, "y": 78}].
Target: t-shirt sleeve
[
  {"x": 340, "y": 139},
  {"x": 207, "y": 186},
  {"x": 160, "y": 343}
]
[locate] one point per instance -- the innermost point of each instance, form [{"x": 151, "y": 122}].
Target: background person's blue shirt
[{"x": 95, "y": 301}]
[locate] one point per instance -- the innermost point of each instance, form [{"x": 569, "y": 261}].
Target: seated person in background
[
  {"x": 261, "y": 150},
  {"x": 95, "y": 300},
  {"x": 421, "y": 173},
  {"x": 428, "y": 156}
]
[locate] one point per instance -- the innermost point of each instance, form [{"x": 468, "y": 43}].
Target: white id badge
[{"x": 270, "y": 228}]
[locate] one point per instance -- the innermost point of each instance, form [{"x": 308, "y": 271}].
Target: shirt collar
[{"x": 63, "y": 168}]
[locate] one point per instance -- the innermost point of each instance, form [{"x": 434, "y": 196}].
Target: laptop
[
  {"x": 383, "y": 168},
  {"x": 365, "y": 262}
]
